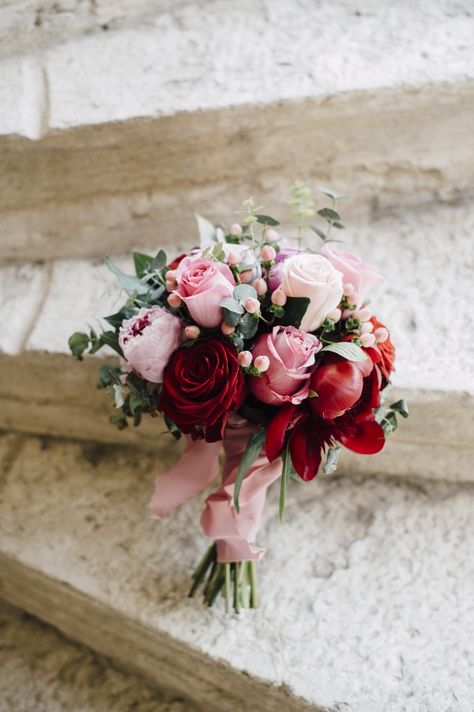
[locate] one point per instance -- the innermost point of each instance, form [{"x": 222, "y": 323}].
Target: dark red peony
[
  {"x": 202, "y": 386},
  {"x": 342, "y": 411},
  {"x": 387, "y": 353}
]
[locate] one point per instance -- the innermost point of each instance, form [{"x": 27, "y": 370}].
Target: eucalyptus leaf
[
  {"x": 331, "y": 193},
  {"x": 142, "y": 263},
  {"x": 243, "y": 291},
  {"x": 248, "y": 326},
  {"x": 329, "y": 214},
  {"x": 266, "y": 220},
  {"x": 347, "y": 350},
  {"x": 339, "y": 225},
  {"x": 231, "y": 318},
  {"x": 232, "y": 305},
  {"x": 401, "y": 406},
  {"x": 159, "y": 262},
  {"x": 131, "y": 285},
  {"x": 207, "y": 231},
  {"x": 254, "y": 445},
  {"x": 319, "y": 232}
]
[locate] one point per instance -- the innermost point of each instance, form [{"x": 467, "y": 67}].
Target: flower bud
[
  {"x": 381, "y": 334},
  {"x": 279, "y": 298},
  {"x": 252, "y": 305},
  {"x": 260, "y": 287},
  {"x": 246, "y": 277},
  {"x": 367, "y": 339},
  {"x": 174, "y": 300},
  {"x": 192, "y": 332},
  {"x": 271, "y": 235},
  {"x": 232, "y": 258},
  {"x": 268, "y": 253},
  {"x": 170, "y": 276},
  {"x": 367, "y": 327},
  {"x": 262, "y": 363},
  {"x": 236, "y": 229},
  {"x": 245, "y": 359},
  {"x": 347, "y": 313},
  {"x": 363, "y": 314},
  {"x": 349, "y": 291},
  {"x": 334, "y": 315},
  {"x": 171, "y": 285},
  {"x": 226, "y": 329}
]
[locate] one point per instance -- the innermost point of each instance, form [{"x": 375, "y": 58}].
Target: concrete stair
[{"x": 42, "y": 671}]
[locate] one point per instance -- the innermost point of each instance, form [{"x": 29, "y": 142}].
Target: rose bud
[
  {"x": 381, "y": 334},
  {"x": 232, "y": 258},
  {"x": 174, "y": 300},
  {"x": 245, "y": 359},
  {"x": 363, "y": 314},
  {"x": 262, "y": 363},
  {"x": 334, "y": 315},
  {"x": 246, "y": 277},
  {"x": 192, "y": 332},
  {"x": 367, "y": 327},
  {"x": 268, "y": 253},
  {"x": 260, "y": 287},
  {"x": 236, "y": 229},
  {"x": 226, "y": 329},
  {"x": 356, "y": 272},
  {"x": 272, "y": 235},
  {"x": 291, "y": 353},
  {"x": 252, "y": 305},
  {"x": 279, "y": 298},
  {"x": 367, "y": 339}
]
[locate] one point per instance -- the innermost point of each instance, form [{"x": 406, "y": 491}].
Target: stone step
[
  {"x": 42, "y": 671},
  {"x": 366, "y": 589},
  {"x": 427, "y": 258},
  {"x": 152, "y": 113}
]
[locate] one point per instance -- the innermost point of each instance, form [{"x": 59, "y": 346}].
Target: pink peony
[
  {"x": 202, "y": 284},
  {"x": 148, "y": 339},
  {"x": 356, "y": 271},
  {"x": 291, "y": 353}
]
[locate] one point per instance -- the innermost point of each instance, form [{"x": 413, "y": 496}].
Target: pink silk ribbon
[{"x": 232, "y": 531}]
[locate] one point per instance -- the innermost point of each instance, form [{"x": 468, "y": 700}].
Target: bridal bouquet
[{"x": 257, "y": 345}]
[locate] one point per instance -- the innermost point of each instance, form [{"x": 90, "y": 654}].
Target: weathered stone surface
[
  {"x": 367, "y": 588},
  {"x": 23, "y": 289},
  {"x": 41, "y": 670}
]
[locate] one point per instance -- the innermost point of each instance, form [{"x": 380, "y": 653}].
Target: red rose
[
  {"x": 387, "y": 352},
  {"x": 202, "y": 386}
]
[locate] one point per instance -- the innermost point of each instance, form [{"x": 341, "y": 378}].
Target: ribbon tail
[{"x": 196, "y": 468}]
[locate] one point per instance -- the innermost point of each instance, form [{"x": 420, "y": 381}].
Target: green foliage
[
  {"x": 347, "y": 349},
  {"x": 243, "y": 291},
  {"x": 267, "y": 220},
  {"x": 141, "y": 263},
  {"x": 130, "y": 284},
  {"x": 207, "y": 231},
  {"x": 248, "y": 326},
  {"x": 286, "y": 471},
  {"x": 78, "y": 344},
  {"x": 295, "y": 309},
  {"x": 254, "y": 445}
]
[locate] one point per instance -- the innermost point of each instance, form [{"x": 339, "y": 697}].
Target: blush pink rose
[
  {"x": 312, "y": 276},
  {"x": 202, "y": 285},
  {"x": 354, "y": 269},
  {"x": 291, "y": 353},
  {"x": 148, "y": 339}
]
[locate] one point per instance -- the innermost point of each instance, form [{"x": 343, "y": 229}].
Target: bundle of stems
[{"x": 236, "y": 581}]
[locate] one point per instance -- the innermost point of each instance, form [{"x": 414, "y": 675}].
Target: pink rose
[
  {"x": 313, "y": 276},
  {"x": 202, "y": 285},
  {"x": 148, "y": 339},
  {"x": 291, "y": 353},
  {"x": 355, "y": 270}
]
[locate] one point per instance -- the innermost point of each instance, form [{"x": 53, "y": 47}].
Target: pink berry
[
  {"x": 245, "y": 359},
  {"x": 260, "y": 287},
  {"x": 367, "y": 327},
  {"x": 236, "y": 229},
  {"x": 381, "y": 334},
  {"x": 232, "y": 258},
  {"x": 334, "y": 315},
  {"x": 279, "y": 298},
  {"x": 347, "y": 313},
  {"x": 226, "y": 329},
  {"x": 171, "y": 285},
  {"x": 246, "y": 277},
  {"x": 363, "y": 314},
  {"x": 367, "y": 339},
  {"x": 170, "y": 276},
  {"x": 192, "y": 332},
  {"x": 271, "y": 235},
  {"x": 268, "y": 253},
  {"x": 174, "y": 300},
  {"x": 252, "y": 305},
  {"x": 348, "y": 290},
  {"x": 262, "y": 363}
]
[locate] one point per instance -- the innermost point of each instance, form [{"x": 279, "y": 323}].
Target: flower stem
[
  {"x": 227, "y": 587},
  {"x": 254, "y": 599}
]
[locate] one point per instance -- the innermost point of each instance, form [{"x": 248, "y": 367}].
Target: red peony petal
[
  {"x": 338, "y": 384},
  {"x": 277, "y": 430},
  {"x": 367, "y": 438},
  {"x": 306, "y": 450}
]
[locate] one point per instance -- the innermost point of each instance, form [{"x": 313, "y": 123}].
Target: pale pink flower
[
  {"x": 358, "y": 274},
  {"x": 202, "y": 285}
]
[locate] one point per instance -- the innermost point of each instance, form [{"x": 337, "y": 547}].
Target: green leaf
[
  {"x": 231, "y": 318},
  {"x": 329, "y": 214},
  {"x": 248, "y": 326},
  {"x": 347, "y": 350},
  {"x": 266, "y": 220},
  {"x": 119, "y": 317},
  {"x": 142, "y": 263},
  {"x": 207, "y": 231},
  {"x": 108, "y": 375},
  {"x": 119, "y": 420},
  {"x": 295, "y": 309},
  {"x": 331, "y": 194},
  {"x": 254, "y": 445},
  {"x": 401, "y": 407},
  {"x": 172, "y": 427},
  {"x": 389, "y": 422},
  {"x": 159, "y": 262},
  {"x": 232, "y": 305},
  {"x": 319, "y": 232},
  {"x": 284, "y": 480},
  {"x": 217, "y": 252},
  {"x": 130, "y": 284},
  {"x": 243, "y": 291},
  {"x": 118, "y": 395},
  {"x": 110, "y": 338},
  {"x": 78, "y": 343},
  {"x": 339, "y": 225},
  {"x": 135, "y": 401}
]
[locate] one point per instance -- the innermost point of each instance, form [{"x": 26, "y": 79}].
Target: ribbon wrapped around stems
[{"x": 232, "y": 531}]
